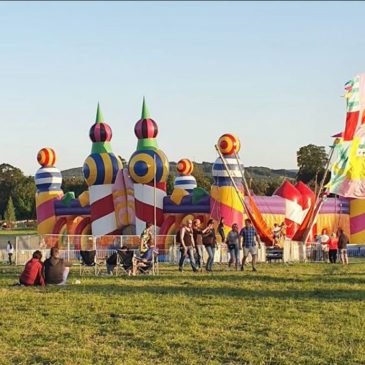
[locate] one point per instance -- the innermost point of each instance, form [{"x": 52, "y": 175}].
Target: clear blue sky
[{"x": 270, "y": 72}]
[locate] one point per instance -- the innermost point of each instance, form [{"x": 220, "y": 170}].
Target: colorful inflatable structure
[{"x": 120, "y": 200}]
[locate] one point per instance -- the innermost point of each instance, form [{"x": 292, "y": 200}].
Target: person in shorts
[{"x": 248, "y": 238}]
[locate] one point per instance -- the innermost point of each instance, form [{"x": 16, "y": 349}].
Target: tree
[
  {"x": 10, "y": 212},
  {"x": 24, "y": 198},
  {"x": 75, "y": 184},
  {"x": 311, "y": 161},
  {"x": 21, "y": 188},
  {"x": 202, "y": 180},
  {"x": 170, "y": 184}
]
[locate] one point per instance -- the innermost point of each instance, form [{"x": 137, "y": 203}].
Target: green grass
[
  {"x": 17, "y": 232},
  {"x": 283, "y": 314}
]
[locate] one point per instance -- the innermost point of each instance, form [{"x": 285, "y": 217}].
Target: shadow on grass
[{"x": 191, "y": 291}]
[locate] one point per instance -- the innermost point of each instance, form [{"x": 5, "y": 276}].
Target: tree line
[{"x": 17, "y": 191}]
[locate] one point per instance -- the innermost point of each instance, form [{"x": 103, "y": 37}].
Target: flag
[{"x": 348, "y": 168}]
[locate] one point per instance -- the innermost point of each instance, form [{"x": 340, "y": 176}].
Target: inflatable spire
[
  {"x": 224, "y": 199},
  {"x": 48, "y": 180},
  {"x": 185, "y": 180},
  {"x": 100, "y": 170},
  {"x": 149, "y": 168}
]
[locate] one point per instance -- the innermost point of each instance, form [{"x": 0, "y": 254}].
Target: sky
[{"x": 271, "y": 73}]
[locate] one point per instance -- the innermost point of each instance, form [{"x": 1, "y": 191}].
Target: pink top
[{"x": 333, "y": 243}]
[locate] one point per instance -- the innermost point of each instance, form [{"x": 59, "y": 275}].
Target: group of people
[
  {"x": 327, "y": 248},
  {"x": 53, "y": 270},
  {"x": 194, "y": 240}
]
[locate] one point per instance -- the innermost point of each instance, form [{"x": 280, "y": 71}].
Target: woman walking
[
  {"x": 233, "y": 242},
  {"x": 210, "y": 242}
]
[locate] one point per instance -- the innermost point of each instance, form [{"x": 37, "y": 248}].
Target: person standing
[
  {"x": 210, "y": 242},
  {"x": 333, "y": 247},
  {"x": 146, "y": 238},
  {"x": 221, "y": 229},
  {"x": 276, "y": 235},
  {"x": 342, "y": 246},
  {"x": 32, "y": 273},
  {"x": 249, "y": 236},
  {"x": 187, "y": 246},
  {"x": 198, "y": 240},
  {"x": 233, "y": 242},
  {"x": 55, "y": 269},
  {"x": 10, "y": 251},
  {"x": 324, "y": 242}
]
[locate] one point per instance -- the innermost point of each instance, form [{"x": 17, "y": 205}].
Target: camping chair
[
  {"x": 125, "y": 261},
  {"x": 111, "y": 263},
  {"x": 151, "y": 266},
  {"x": 88, "y": 262}
]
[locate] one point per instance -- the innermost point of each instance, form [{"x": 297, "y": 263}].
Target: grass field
[
  {"x": 283, "y": 314},
  {"x": 17, "y": 232}
]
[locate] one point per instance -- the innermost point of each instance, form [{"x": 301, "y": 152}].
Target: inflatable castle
[{"x": 120, "y": 200}]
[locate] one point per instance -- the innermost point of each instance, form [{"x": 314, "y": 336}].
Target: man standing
[{"x": 248, "y": 235}]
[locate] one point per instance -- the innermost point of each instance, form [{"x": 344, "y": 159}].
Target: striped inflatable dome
[
  {"x": 101, "y": 168},
  {"x": 48, "y": 179},
  {"x": 220, "y": 174},
  {"x": 142, "y": 167},
  {"x": 146, "y": 128},
  {"x": 100, "y": 132},
  {"x": 187, "y": 183},
  {"x": 46, "y": 157}
]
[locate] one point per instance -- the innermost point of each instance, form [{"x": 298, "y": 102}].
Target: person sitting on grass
[
  {"x": 55, "y": 269},
  {"x": 145, "y": 261},
  {"x": 32, "y": 273}
]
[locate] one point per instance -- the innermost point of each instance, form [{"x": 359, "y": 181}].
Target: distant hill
[{"x": 258, "y": 172}]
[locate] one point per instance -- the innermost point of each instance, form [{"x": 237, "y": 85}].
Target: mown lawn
[
  {"x": 283, "y": 314},
  {"x": 17, "y": 232}
]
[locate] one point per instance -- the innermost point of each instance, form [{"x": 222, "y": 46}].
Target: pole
[
  {"x": 154, "y": 211},
  {"x": 230, "y": 176},
  {"x": 319, "y": 199},
  {"x": 248, "y": 193}
]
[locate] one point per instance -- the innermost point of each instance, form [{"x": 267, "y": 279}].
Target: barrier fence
[{"x": 169, "y": 250}]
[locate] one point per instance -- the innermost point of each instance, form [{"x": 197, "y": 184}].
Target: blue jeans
[
  {"x": 199, "y": 256},
  {"x": 234, "y": 253},
  {"x": 210, "y": 251},
  {"x": 190, "y": 254}
]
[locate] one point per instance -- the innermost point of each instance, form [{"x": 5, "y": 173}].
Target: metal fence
[{"x": 169, "y": 250}]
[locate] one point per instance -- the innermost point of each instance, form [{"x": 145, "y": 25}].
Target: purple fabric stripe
[{"x": 357, "y": 224}]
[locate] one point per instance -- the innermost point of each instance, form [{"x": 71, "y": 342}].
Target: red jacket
[{"x": 32, "y": 274}]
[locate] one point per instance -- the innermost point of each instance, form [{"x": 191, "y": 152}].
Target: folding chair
[
  {"x": 151, "y": 266},
  {"x": 111, "y": 263},
  {"x": 125, "y": 263},
  {"x": 88, "y": 262}
]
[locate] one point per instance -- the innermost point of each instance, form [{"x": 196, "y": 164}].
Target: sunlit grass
[{"x": 283, "y": 314}]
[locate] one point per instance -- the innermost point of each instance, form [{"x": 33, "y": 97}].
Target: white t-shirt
[
  {"x": 9, "y": 249},
  {"x": 324, "y": 239}
]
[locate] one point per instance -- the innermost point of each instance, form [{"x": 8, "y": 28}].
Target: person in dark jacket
[
  {"x": 55, "y": 269},
  {"x": 187, "y": 246},
  {"x": 342, "y": 246},
  {"x": 32, "y": 274},
  {"x": 221, "y": 230},
  {"x": 210, "y": 243}
]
